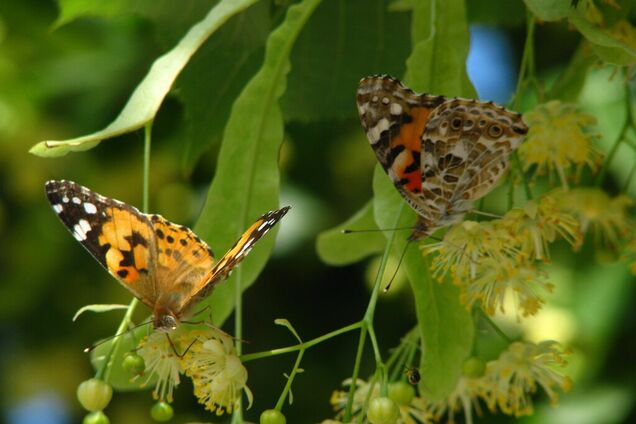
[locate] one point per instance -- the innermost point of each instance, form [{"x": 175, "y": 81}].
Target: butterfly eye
[
  {"x": 495, "y": 131},
  {"x": 456, "y": 123}
]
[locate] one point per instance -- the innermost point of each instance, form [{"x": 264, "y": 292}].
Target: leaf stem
[
  {"x": 290, "y": 379},
  {"x": 301, "y": 346}
]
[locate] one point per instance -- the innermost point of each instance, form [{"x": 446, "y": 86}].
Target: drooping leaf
[
  {"x": 446, "y": 326},
  {"x": 215, "y": 76},
  {"x": 607, "y": 47},
  {"x": 246, "y": 183},
  {"x": 345, "y": 41},
  {"x": 336, "y": 248},
  {"x": 550, "y": 10},
  {"x": 437, "y": 63},
  {"x": 98, "y": 308},
  {"x": 143, "y": 104}
]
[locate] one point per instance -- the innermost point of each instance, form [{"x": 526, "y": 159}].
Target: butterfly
[
  {"x": 165, "y": 265},
  {"x": 441, "y": 154}
]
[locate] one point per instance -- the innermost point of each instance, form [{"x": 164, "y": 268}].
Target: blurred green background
[{"x": 62, "y": 81}]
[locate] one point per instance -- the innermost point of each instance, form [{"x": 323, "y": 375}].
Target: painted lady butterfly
[
  {"x": 166, "y": 266},
  {"x": 442, "y": 154}
]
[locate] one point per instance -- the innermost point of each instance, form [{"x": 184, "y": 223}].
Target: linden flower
[
  {"x": 495, "y": 279},
  {"x": 538, "y": 224},
  {"x": 217, "y": 373},
  {"x": 339, "y": 398},
  {"x": 514, "y": 377},
  {"x": 468, "y": 243},
  {"x": 559, "y": 138},
  {"x": 464, "y": 397},
  {"x": 606, "y": 217},
  {"x": 162, "y": 361}
]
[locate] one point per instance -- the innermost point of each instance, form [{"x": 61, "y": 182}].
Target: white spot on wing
[
  {"x": 65, "y": 199},
  {"x": 90, "y": 208},
  {"x": 84, "y": 225},
  {"x": 79, "y": 233},
  {"x": 396, "y": 109},
  {"x": 58, "y": 208},
  {"x": 76, "y": 200}
]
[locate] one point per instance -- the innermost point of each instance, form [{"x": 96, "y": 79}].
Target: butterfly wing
[
  {"x": 183, "y": 262},
  {"x": 441, "y": 154},
  {"x": 119, "y": 236},
  {"x": 394, "y": 118},
  {"x": 222, "y": 269},
  {"x": 466, "y": 148}
]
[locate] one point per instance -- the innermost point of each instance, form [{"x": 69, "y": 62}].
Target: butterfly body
[
  {"x": 165, "y": 265},
  {"x": 441, "y": 154}
]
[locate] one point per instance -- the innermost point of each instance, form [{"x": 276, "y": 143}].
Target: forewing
[
  {"x": 116, "y": 234},
  {"x": 466, "y": 148},
  {"x": 394, "y": 118},
  {"x": 222, "y": 269}
]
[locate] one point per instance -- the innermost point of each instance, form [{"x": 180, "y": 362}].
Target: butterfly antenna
[
  {"x": 101, "y": 342},
  {"x": 174, "y": 349},
  {"x": 388, "y": 286},
  {"x": 375, "y": 230}
]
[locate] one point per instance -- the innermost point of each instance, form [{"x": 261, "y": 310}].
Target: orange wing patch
[
  {"x": 406, "y": 147},
  {"x": 125, "y": 239}
]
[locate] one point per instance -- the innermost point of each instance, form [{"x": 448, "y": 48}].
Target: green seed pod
[
  {"x": 94, "y": 394},
  {"x": 473, "y": 367},
  {"x": 161, "y": 411},
  {"x": 401, "y": 393},
  {"x": 383, "y": 410},
  {"x": 133, "y": 364},
  {"x": 96, "y": 418},
  {"x": 272, "y": 416}
]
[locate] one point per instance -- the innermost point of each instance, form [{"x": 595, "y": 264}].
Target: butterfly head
[{"x": 165, "y": 321}]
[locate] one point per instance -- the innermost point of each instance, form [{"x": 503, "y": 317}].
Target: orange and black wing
[
  {"x": 222, "y": 269},
  {"x": 119, "y": 236}
]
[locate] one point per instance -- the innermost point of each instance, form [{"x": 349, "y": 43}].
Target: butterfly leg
[{"x": 174, "y": 349}]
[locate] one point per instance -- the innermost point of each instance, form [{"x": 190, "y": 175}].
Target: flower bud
[
  {"x": 383, "y": 410},
  {"x": 161, "y": 411},
  {"x": 272, "y": 416}
]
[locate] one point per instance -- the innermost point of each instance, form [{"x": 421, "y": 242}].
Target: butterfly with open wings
[{"x": 166, "y": 266}]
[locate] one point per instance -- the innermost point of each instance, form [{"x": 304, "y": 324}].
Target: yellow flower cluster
[
  {"x": 206, "y": 356},
  {"x": 489, "y": 259},
  {"x": 560, "y": 138},
  {"x": 607, "y": 218},
  {"x": 507, "y": 385}
]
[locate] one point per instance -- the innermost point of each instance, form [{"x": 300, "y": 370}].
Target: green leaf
[
  {"x": 445, "y": 325},
  {"x": 217, "y": 74},
  {"x": 608, "y": 48},
  {"x": 336, "y": 248},
  {"x": 247, "y": 179},
  {"x": 499, "y": 13},
  {"x": 119, "y": 378},
  {"x": 437, "y": 64},
  {"x": 441, "y": 39},
  {"x": 550, "y": 10},
  {"x": 343, "y": 42},
  {"x": 285, "y": 323},
  {"x": 149, "y": 94},
  {"x": 98, "y": 308}
]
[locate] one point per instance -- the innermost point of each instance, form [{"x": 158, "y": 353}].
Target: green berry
[
  {"x": 96, "y": 418},
  {"x": 474, "y": 367},
  {"x": 401, "y": 393},
  {"x": 383, "y": 410},
  {"x": 133, "y": 364},
  {"x": 272, "y": 416},
  {"x": 94, "y": 394},
  {"x": 161, "y": 411}
]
